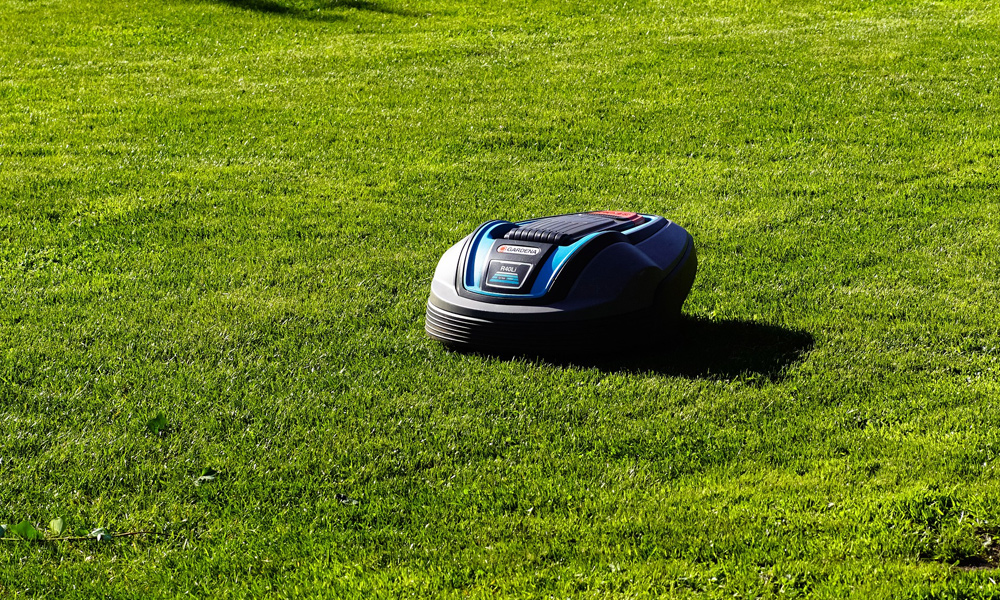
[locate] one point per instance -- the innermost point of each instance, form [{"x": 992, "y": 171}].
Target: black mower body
[{"x": 571, "y": 282}]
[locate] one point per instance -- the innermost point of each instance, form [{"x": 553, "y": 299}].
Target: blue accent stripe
[
  {"x": 479, "y": 252},
  {"x": 507, "y": 278}
]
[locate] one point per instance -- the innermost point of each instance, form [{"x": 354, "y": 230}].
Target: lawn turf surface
[{"x": 228, "y": 212}]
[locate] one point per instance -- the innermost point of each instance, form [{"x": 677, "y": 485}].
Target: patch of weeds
[{"x": 936, "y": 527}]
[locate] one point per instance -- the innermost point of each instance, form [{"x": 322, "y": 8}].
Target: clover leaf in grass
[
  {"x": 27, "y": 531},
  {"x": 157, "y": 424}
]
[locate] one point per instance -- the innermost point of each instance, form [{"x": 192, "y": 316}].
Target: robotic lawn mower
[{"x": 604, "y": 280}]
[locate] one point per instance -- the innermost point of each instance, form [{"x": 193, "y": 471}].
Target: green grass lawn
[{"x": 228, "y": 213}]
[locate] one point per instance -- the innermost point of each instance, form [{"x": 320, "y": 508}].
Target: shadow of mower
[
  {"x": 316, "y": 11},
  {"x": 703, "y": 349}
]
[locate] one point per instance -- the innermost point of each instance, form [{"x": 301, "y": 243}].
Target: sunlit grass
[{"x": 228, "y": 213}]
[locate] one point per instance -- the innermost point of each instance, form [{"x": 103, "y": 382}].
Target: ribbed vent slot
[
  {"x": 560, "y": 230},
  {"x": 460, "y": 330}
]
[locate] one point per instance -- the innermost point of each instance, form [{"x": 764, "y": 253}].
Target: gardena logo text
[{"x": 526, "y": 250}]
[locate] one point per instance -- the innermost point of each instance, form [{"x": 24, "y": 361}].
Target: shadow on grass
[
  {"x": 705, "y": 349},
  {"x": 316, "y": 10}
]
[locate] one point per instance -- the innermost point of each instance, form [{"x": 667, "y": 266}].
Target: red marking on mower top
[{"x": 620, "y": 214}]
